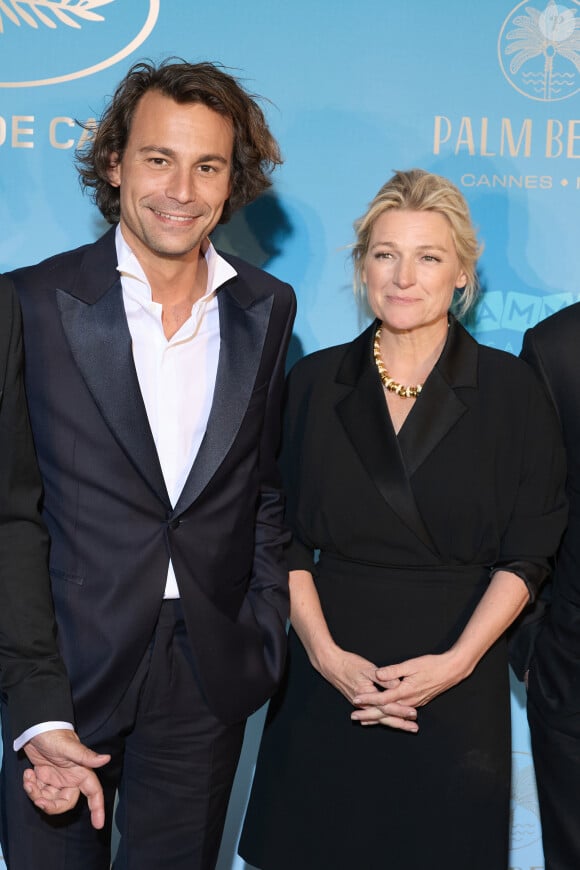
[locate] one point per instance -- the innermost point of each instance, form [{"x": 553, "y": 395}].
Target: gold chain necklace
[{"x": 388, "y": 382}]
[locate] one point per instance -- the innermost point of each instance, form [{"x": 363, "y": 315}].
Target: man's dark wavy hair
[{"x": 256, "y": 153}]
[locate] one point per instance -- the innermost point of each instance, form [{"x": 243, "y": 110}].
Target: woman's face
[{"x": 411, "y": 269}]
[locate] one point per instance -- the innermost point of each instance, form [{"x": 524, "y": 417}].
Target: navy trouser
[{"x": 172, "y": 763}]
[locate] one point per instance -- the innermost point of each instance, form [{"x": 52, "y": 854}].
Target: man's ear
[{"x": 114, "y": 170}]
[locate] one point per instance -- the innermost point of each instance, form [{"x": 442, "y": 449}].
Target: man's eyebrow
[{"x": 169, "y": 152}]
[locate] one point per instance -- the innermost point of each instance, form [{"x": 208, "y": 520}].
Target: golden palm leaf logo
[
  {"x": 539, "y": 50},
  {"x": 49, "y": 12}
]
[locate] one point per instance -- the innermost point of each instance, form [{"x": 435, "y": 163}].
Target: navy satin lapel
[
  {"x": 242, "y": 335},
  {"x": 364, "y": 416},
  {"x": 100, "y": 342}
]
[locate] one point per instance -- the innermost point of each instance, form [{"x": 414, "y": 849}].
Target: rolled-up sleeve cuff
[
  {"x": 300, "y": 557},
  {"x": 532, "y": 573}
]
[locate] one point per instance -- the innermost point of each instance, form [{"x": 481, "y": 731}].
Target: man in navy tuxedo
[{"x": 154, "y": 373}]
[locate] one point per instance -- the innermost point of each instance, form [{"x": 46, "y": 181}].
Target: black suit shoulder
[
  {"x": 562, "y": 325},
  {"x": 551, "y": 348},
  {"x": 311, "y": 392},
  {"x": 319, "y": 363},
  {"x": 512, "y": 372},
  {"x": 309, "y": 379},
  {"x": 495, "y": 358}
]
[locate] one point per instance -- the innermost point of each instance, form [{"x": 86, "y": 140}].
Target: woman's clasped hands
[
  {"x": 404, "y": 687},
  {"x": 356, "y": 678}
]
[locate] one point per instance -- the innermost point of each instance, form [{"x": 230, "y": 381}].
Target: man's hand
[{"x": 62, "y": 770}]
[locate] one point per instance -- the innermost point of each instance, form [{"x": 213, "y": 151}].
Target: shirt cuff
[{"x": 40, "y": 729}]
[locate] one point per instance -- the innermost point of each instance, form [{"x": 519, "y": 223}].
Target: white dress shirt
[{"x": 176, "y": 377}]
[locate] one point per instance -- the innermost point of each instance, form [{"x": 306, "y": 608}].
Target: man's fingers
[
  {"x": 56, "y": 806},
  {"x": 55, "y": 799},
  {"x": 85, "y": 757},
  {"x": 96, "y": 804},
  {"x": 51, "y": 799}
]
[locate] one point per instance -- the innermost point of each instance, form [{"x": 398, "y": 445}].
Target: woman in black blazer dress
[{"x": 423, "y": 519}]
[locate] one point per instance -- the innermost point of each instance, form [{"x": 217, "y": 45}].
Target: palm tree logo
[
  {"x": 524, "y": 812},
  {"x": 539, "y": 50}
]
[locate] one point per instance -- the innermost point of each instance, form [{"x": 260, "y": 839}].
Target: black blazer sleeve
[
  {"x": 32, "y": 675},
  {"x": 525, "y": 632},
  {"x": 551, "y": 348}
]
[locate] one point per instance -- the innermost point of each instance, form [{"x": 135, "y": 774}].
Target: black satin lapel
[
  {"x": 242, "y": 335},
  {"x": 100, "y": 342},
  {"x": 436, "y": 411},
  {"x": 438, "y": 408},
  {"x": 364, "y": 415}
]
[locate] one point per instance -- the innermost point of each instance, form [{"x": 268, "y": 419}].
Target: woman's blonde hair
[{"x": 418, "y": 190}]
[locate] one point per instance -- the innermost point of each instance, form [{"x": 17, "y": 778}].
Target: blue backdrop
[{"x": 485, "y": 93}]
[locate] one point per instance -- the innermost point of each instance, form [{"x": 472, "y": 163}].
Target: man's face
[{"x": 174, "y": 177}]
